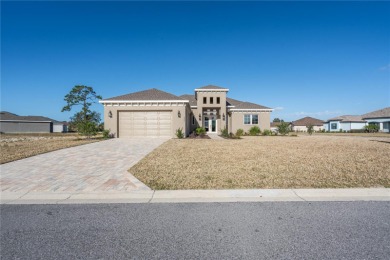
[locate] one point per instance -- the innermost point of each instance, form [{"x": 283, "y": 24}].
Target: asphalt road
[{"x": 271, "y": 230}]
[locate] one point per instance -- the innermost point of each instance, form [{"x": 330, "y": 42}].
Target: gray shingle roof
[
  {"x": 191, "y": 98},
  {"x": 307, "y": 121},
  {"x": 211, "y": 87},
  {"x": 243, "y": 105},
  {"x": 149, "y": 94},
  {"x": 4, "y": 115},
  {"x": 385, "y": 112},
  {"x": 347, "y": 118}
]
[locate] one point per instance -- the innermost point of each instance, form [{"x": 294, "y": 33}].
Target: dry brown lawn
[
  {"x": 268, "y": 162},
  {"x": 18, "y": 146}
]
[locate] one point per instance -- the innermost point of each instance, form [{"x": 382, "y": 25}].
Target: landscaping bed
[
  {"x": 18, "y": 146},
  {"x": 318, "y": 161}
]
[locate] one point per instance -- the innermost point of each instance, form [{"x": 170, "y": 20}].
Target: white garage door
[{"x": 151, "y": 123}]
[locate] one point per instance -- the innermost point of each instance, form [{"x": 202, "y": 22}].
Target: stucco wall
[
  {"x": 112, "y": 124},
  {"x": 334, "y": 130},
  {"x": 358, "y": 125},
  {"x": 221, "y": 107},
  {"x": 26, "y": 127},
  {"x": 59, "y": 128},
  {"x": 237, "y": 121}
]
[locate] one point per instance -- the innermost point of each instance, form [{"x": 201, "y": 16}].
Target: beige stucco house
[{"x": 154, "y": 112}]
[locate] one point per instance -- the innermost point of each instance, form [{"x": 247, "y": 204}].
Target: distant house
[
  {"x": 275, "y": 125},
  {"x": 344, "y": 123},
  {"x": 380, "y": 117},
  {"x": 12, "y": 123},
  {"x": 300, "y": 125}
]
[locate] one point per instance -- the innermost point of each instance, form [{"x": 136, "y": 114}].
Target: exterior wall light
[
  {"x": 178, "y": 113},
  {"x": 110, "y": 114},
  {"x": 200, "y": 117},
  {"x": 223, "y": 116}
]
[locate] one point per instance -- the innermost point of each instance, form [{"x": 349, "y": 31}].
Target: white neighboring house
[
  {"x": 344, "y": 123},
  {"x": 60, "y": 127},
  {"x": 300, "y": 125},
  {"x": 380, "y": 117}
]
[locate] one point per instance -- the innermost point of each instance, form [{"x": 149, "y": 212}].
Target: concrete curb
[{"x": 183, "y": 196}]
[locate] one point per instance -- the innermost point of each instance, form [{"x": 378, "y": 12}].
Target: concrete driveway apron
[{"x": 95, "y": 167}]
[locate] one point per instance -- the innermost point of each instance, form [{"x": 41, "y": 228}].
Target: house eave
[
  {"x": 27, "y": 121},
  {"x": 251, "y": 109},
  {"x": 379, "y": 117},
  {"x": 143, "y": 101},
  {"x": 212, "y": 90}
]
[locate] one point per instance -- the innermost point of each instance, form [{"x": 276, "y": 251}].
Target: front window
[
  {"x": 247, "y": 119},
  {"x": 333, "y": 126},
  {"x": 204, "y": 100},
  {"x": 193, "y": 120},
  {"x": 218, "y": 100},
  {"x": 251, "y": 119},
  {"x": 255, "y": 119},
  {"x": 211, "y": 100}
]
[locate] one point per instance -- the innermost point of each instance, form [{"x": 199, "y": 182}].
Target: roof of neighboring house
[
  {"x": 307, "y": 121},
  {"x": 385, "y": 112},
  {"x": 347, "y": 118},
  {"x": 211, "y": 87},
  {"x": 191, "y": 98},
  {"x": 149, "y": 94},
  {"x": 4, "y": 115},
  {"x": 243, "y": 105}
]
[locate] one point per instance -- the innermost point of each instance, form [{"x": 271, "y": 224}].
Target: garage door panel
[{"x": 148, "y": 123}]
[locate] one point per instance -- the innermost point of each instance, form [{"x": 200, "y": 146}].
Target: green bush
[
  {"x": 239, "y": 132},
  {"x": 200, "y": 131},
  {"x": 106, "y": 134},
  {"x": 254, "y": 130},
  {"x": 87, "y": 129},
  {"x": 267, "y": 132},
  {"x": 225, "y": 132},
  {"x": 283, "y": 128},
  {"x": 371, "y": 128},
  {"x": 179, "y": 133}
]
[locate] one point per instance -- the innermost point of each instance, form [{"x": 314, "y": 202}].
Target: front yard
[
  {"x": 18, "y": 146},
  {"x": 318, "y": 161}
]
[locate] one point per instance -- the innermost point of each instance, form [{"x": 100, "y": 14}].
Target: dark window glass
[
  {"x": 204, "y": 100},
  {"x": 218, "y": 100},
  {"x": 211, "y": 100}
]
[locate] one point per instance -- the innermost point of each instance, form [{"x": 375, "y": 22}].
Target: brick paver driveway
[{"x": 95, "y": 167}]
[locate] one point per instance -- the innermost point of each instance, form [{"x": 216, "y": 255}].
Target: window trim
[
  {"x": 251, "y": 119},
  {"x": 257, "y": 119}
]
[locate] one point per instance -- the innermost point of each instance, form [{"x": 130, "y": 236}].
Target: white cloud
[
  {"x": 278, "y": 108},
  {"x": 321, "y": 113}
]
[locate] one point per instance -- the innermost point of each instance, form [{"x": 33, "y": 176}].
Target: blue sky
[{"x": 319, "y": 59}]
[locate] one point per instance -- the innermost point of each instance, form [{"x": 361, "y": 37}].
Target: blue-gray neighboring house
[
  {"x": 379, "y": 117},
  {"x": 12, "y": 123}
]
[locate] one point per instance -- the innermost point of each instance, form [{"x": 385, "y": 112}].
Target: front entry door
[{"x": 210, "y": 124}]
